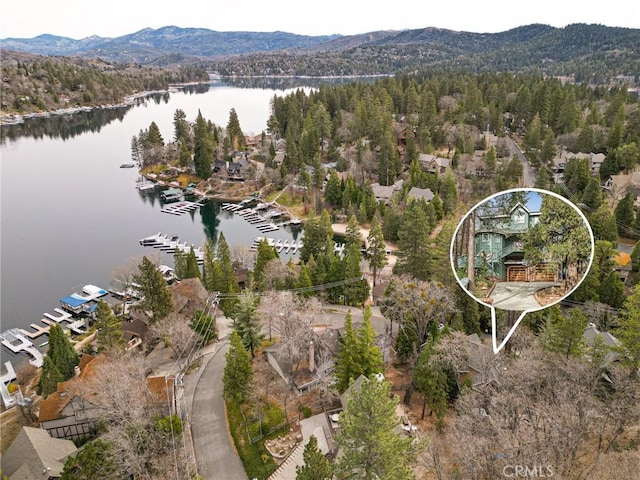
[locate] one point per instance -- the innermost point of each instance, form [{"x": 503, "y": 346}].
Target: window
[
  {"x": 485, "y": 237},
  {"x": 519, "y": 217}
]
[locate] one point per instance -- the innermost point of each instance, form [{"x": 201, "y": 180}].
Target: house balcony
[{"x": 512, "y": 248}]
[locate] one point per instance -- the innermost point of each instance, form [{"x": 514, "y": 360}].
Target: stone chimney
[{"x": 312, "y": 357}]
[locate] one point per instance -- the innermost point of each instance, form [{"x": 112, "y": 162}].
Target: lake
[{"x": 70, "y": 215}]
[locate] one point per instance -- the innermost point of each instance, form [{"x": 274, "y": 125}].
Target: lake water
[{"x": 70, "y": 215}]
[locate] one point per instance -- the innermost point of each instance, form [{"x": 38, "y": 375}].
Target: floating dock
[
  {"x": 17, "y": 342},
  {"x": 183, "y": 207},
  {"x": 251, "y": 215},
  {"x": 290, "y": 246},
  {"x": 171, "y": 244}
]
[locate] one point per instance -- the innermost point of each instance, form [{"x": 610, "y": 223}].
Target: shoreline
[{"x": 129, "y": 100}]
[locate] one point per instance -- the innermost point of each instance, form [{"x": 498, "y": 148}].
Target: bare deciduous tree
[
  {"x": 175, "y": 332},
  {"x": 276, "y": 275},
  {"x": 415, "y": 305},
  {"x": 290, "y": 318},
  {"x": 242, "y": 256},
  {"x": 119, "y": 393},
  {"x": 558, "y": 413}
]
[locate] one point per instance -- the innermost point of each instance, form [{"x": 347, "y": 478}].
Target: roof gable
[{"x": 34, "y": 450}]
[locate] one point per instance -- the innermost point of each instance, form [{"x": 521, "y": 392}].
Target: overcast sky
[{"x": 82, "y": 18}]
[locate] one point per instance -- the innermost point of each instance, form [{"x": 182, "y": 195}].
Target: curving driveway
[
  {"x": 518, "y": 296},
  {"x": 215, "y": 455}
]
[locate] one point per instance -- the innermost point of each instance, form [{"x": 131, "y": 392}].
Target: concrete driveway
[{"x": 518, "y": 296}]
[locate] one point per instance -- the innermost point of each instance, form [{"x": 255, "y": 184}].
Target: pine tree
[
  {"x": 612, "y": 290},
  {"x": 225, "y": 280},
  {"x": 628, "y": 331},
  {"x": 304, "y": 281},
  {"x": 180, "y": 264},
  {"x": 566, "y": 336},
  {"x": 635, "y": 257},
  {"x": 333, "y": 192},
  {"x": 369, "y": 355},
  {"x": 265, "y": 254},
  {"x": 592, "y": 196},
  {"x": 316, "y": 466},
  {"x": 95, "y": 460},
  {"x": 238, "y": 371},
  {"x": 430, "y": 381},
  {"x": 245, "y": 320},
  {"x": 335, "y": 273},
  {"x": 348, "y": 368},
  {"x": 234, "y": 132},
  {"x": 376, "y": 248},
  {"x": 205, "y": 325},
  {"x": 413, "y": 242},
  {"x": 355, "y": 293},
  {"x": 352, "y": 234},
  {"x": 192, "y": 267},
  {"x": 624, "y": 214},
  {"x": 156, "y": 296},
  {"x": 317, "y": 270},
  {"x": 180, "y": 126},
  {"x": 154, "y": 137},
  {"x": 448, "y": 193},
  {"x": 49, "y": 377},
  {"x": 203, "y": 148},
  {"x": 185, "y": 155},
  {"x": 370, "y": 444},
  {"x": 109, "y": 328},
  {"x": 61, "y": 352},
  {"x": 603, "y": 224}
]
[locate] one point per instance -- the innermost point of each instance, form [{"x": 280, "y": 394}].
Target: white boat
[{"x": 145, "y": 186}]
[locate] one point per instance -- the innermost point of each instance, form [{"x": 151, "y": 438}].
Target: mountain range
[
  {"x": 148, "y": 44},
  {"x": 260, "y": 53}
]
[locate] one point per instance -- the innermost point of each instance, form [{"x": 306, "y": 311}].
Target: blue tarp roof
[{"x": 74, "y": 300}]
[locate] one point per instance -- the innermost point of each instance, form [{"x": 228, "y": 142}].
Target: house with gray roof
[
  {"x": 433, "y": 163},
  {"x": 35, "y": 455},
  {"x": 592, "y": 335},
  {"x": 425, "y": 193},
  {"x": 383, "y": 193}
]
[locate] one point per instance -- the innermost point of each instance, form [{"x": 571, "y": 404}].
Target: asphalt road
[
  {"x": 215, "y": 455},
  {"x": 529, "y": 176}
]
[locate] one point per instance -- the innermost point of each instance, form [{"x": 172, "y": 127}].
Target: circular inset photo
[{"x": 522, "y": 249}]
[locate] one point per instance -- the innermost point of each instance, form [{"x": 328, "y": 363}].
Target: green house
[{"x": 498, "y": 244}]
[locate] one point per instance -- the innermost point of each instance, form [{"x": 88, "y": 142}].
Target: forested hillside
[
  {"x": 35, "y": 83},
  {"x": 593, "y": 53}
]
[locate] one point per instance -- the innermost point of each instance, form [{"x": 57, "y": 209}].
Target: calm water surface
[{"x": 70, "y": 215}]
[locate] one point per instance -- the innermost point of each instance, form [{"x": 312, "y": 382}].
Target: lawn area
[
  {"x": 255, "y": 458},
  {"x": 292, "y": 202}
]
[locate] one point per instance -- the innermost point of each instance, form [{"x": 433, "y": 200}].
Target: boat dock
[
  {"x": 17, "y": 342},
  {"x": 182, "y": 207},
  {"x": 251, "y": 215},
  {"x": 171, "y": 244},
  {"x": 289, "y": 246}
]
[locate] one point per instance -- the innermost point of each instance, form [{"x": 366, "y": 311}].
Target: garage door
[
  {"x": 517, "y": 273},
  {"x": 545, "y": 272}
]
